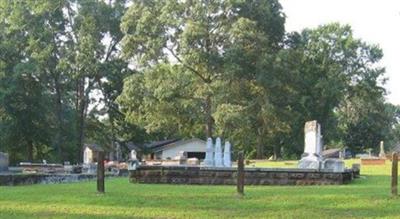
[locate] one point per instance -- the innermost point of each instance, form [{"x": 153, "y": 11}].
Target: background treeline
[{"x": 87, "y": 71}]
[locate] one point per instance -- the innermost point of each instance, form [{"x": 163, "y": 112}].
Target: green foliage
[
  {"x": 68, "y": 49},
  {"x": 76, "y": 71}
]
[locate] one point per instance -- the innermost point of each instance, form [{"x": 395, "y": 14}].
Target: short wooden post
[
  {"x": 240, "y": 174},
  {"x": 394, "y": 173},
  {"x": 100, "y": 172}
]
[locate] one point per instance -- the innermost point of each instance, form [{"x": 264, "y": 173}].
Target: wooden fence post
[
  {"x": 100, "y": 172},
  {"x": 240, "y": 174},
  {"x": 394, "y": 173}
]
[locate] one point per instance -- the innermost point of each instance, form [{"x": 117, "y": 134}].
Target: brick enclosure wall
[
  {"x": 11, "y": 179},
  {"x": 227, "y": 176},
  {"x": 366, "y": 161}
]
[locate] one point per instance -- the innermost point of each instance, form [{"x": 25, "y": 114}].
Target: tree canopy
[{"x": 107, "y": 72}]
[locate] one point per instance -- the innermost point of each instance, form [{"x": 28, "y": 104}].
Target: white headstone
[
  {"x": 227, "y": 154},
  {"x": 312, "y": 140},
  {"x": 133, "y": 155},
  {"x": 382, "y": 153},
  {"x": 87, "y": 156},
  {"x": 312, "y": 146},
  {"x": 218, "y": 153},
  {"x": 209, "y": 160}
]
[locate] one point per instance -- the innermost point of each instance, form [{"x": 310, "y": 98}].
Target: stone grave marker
[
  {"x": 227, "y": 154},
  {"x": 218, "y": 153},
  {"x": 209, "y": 159},
  {"x": 312, "y": 158},
  {"x": 382, "y": 150}
]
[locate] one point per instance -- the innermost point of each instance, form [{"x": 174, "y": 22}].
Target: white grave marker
[{"x": 218, "y": 153}]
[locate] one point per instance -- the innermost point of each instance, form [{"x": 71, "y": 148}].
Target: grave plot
[{"x": 216, "y": 169}]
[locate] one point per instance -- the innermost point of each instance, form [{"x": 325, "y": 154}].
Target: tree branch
[{"x": 206, "y": 80}]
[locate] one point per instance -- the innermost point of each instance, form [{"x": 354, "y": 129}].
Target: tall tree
[{"x": 194, "y": 37}]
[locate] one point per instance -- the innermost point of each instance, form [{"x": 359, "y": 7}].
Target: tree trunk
[
  {"x": 240, "y": 174},
  {"x": 209, "y": 120},
  {"x": 260, "y": 149},
  {"x": 260, "y": 146},
  {"x": 100, "y": 172},
  {"x": 59, "y": 114},
  {"x": 30, "y": 150},
  {"x": 394, "y": 173},
  {"x": 80, "y": 109},
  {"x": 276, "y": 152}
]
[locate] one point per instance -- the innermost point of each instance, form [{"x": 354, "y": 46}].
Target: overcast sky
[{"x": 374, "y": 21}]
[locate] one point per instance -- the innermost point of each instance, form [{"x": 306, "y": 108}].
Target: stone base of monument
[
  {"x": 335, "y": 165},
  {"x": 310, "y": 162},
  {"x": 89, "y": 168},
  {"x": 228, "y": 176}
]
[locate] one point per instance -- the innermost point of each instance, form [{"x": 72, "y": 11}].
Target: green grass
[{"x": 368, "y": 197}]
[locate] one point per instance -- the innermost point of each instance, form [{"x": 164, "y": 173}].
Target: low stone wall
[
  {"x": 13, "y": 179},
  {"x": 28, "y": 179},
  {"x": 228, "y": 176},
  {"x": 373, "y": 161}
]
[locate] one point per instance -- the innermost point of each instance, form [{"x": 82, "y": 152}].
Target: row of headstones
[{"x": 215, "y": 157}]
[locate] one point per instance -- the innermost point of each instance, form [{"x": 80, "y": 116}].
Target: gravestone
[
  {"x": 133, "y": 162},
  {"x": 311, "y": 158},
  {"x": 209, "y": 160},
  {"x": 133, "y": 155},
  {"x": 218, "y": 153},
  {"x": 193, "y": 161},
  {"x": 181, "y": 158},
  {"x": 227, "y": 154},
  {"x": 4, "y": 161},
  {"x": 87, "y": 156},
  {"x": 382, "y": 150}
]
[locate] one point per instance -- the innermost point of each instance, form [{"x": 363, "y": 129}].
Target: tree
[
  {"x": 331, "y": 63},
  {"x": 72, "y": 48},
  {"x": 195, "y": 37}
]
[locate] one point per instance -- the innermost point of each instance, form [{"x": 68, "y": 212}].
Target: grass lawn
[{"x": 365, "y": 197}]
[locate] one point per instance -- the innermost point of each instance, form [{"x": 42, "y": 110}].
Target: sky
[{"x": 374, "y": 21}]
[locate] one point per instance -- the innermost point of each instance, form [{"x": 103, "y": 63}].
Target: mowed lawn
[{"x": 368, "y": 197}]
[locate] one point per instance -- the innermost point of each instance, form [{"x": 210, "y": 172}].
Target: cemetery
[
  {"x": 199, "y": 109},
  {"x": 368, "y": 196},
  {"x": 182, "y": 188},
  {"x": 216, "y": 169}
]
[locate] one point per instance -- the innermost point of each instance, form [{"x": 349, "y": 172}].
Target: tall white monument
[
  {"x": 209, "y": 160},
  {"x": 227, "y": 154},
  {"x": 311, "y": 159},
  {"x": 382, "y": 153},
  {"x": 218, "y": 153}
]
